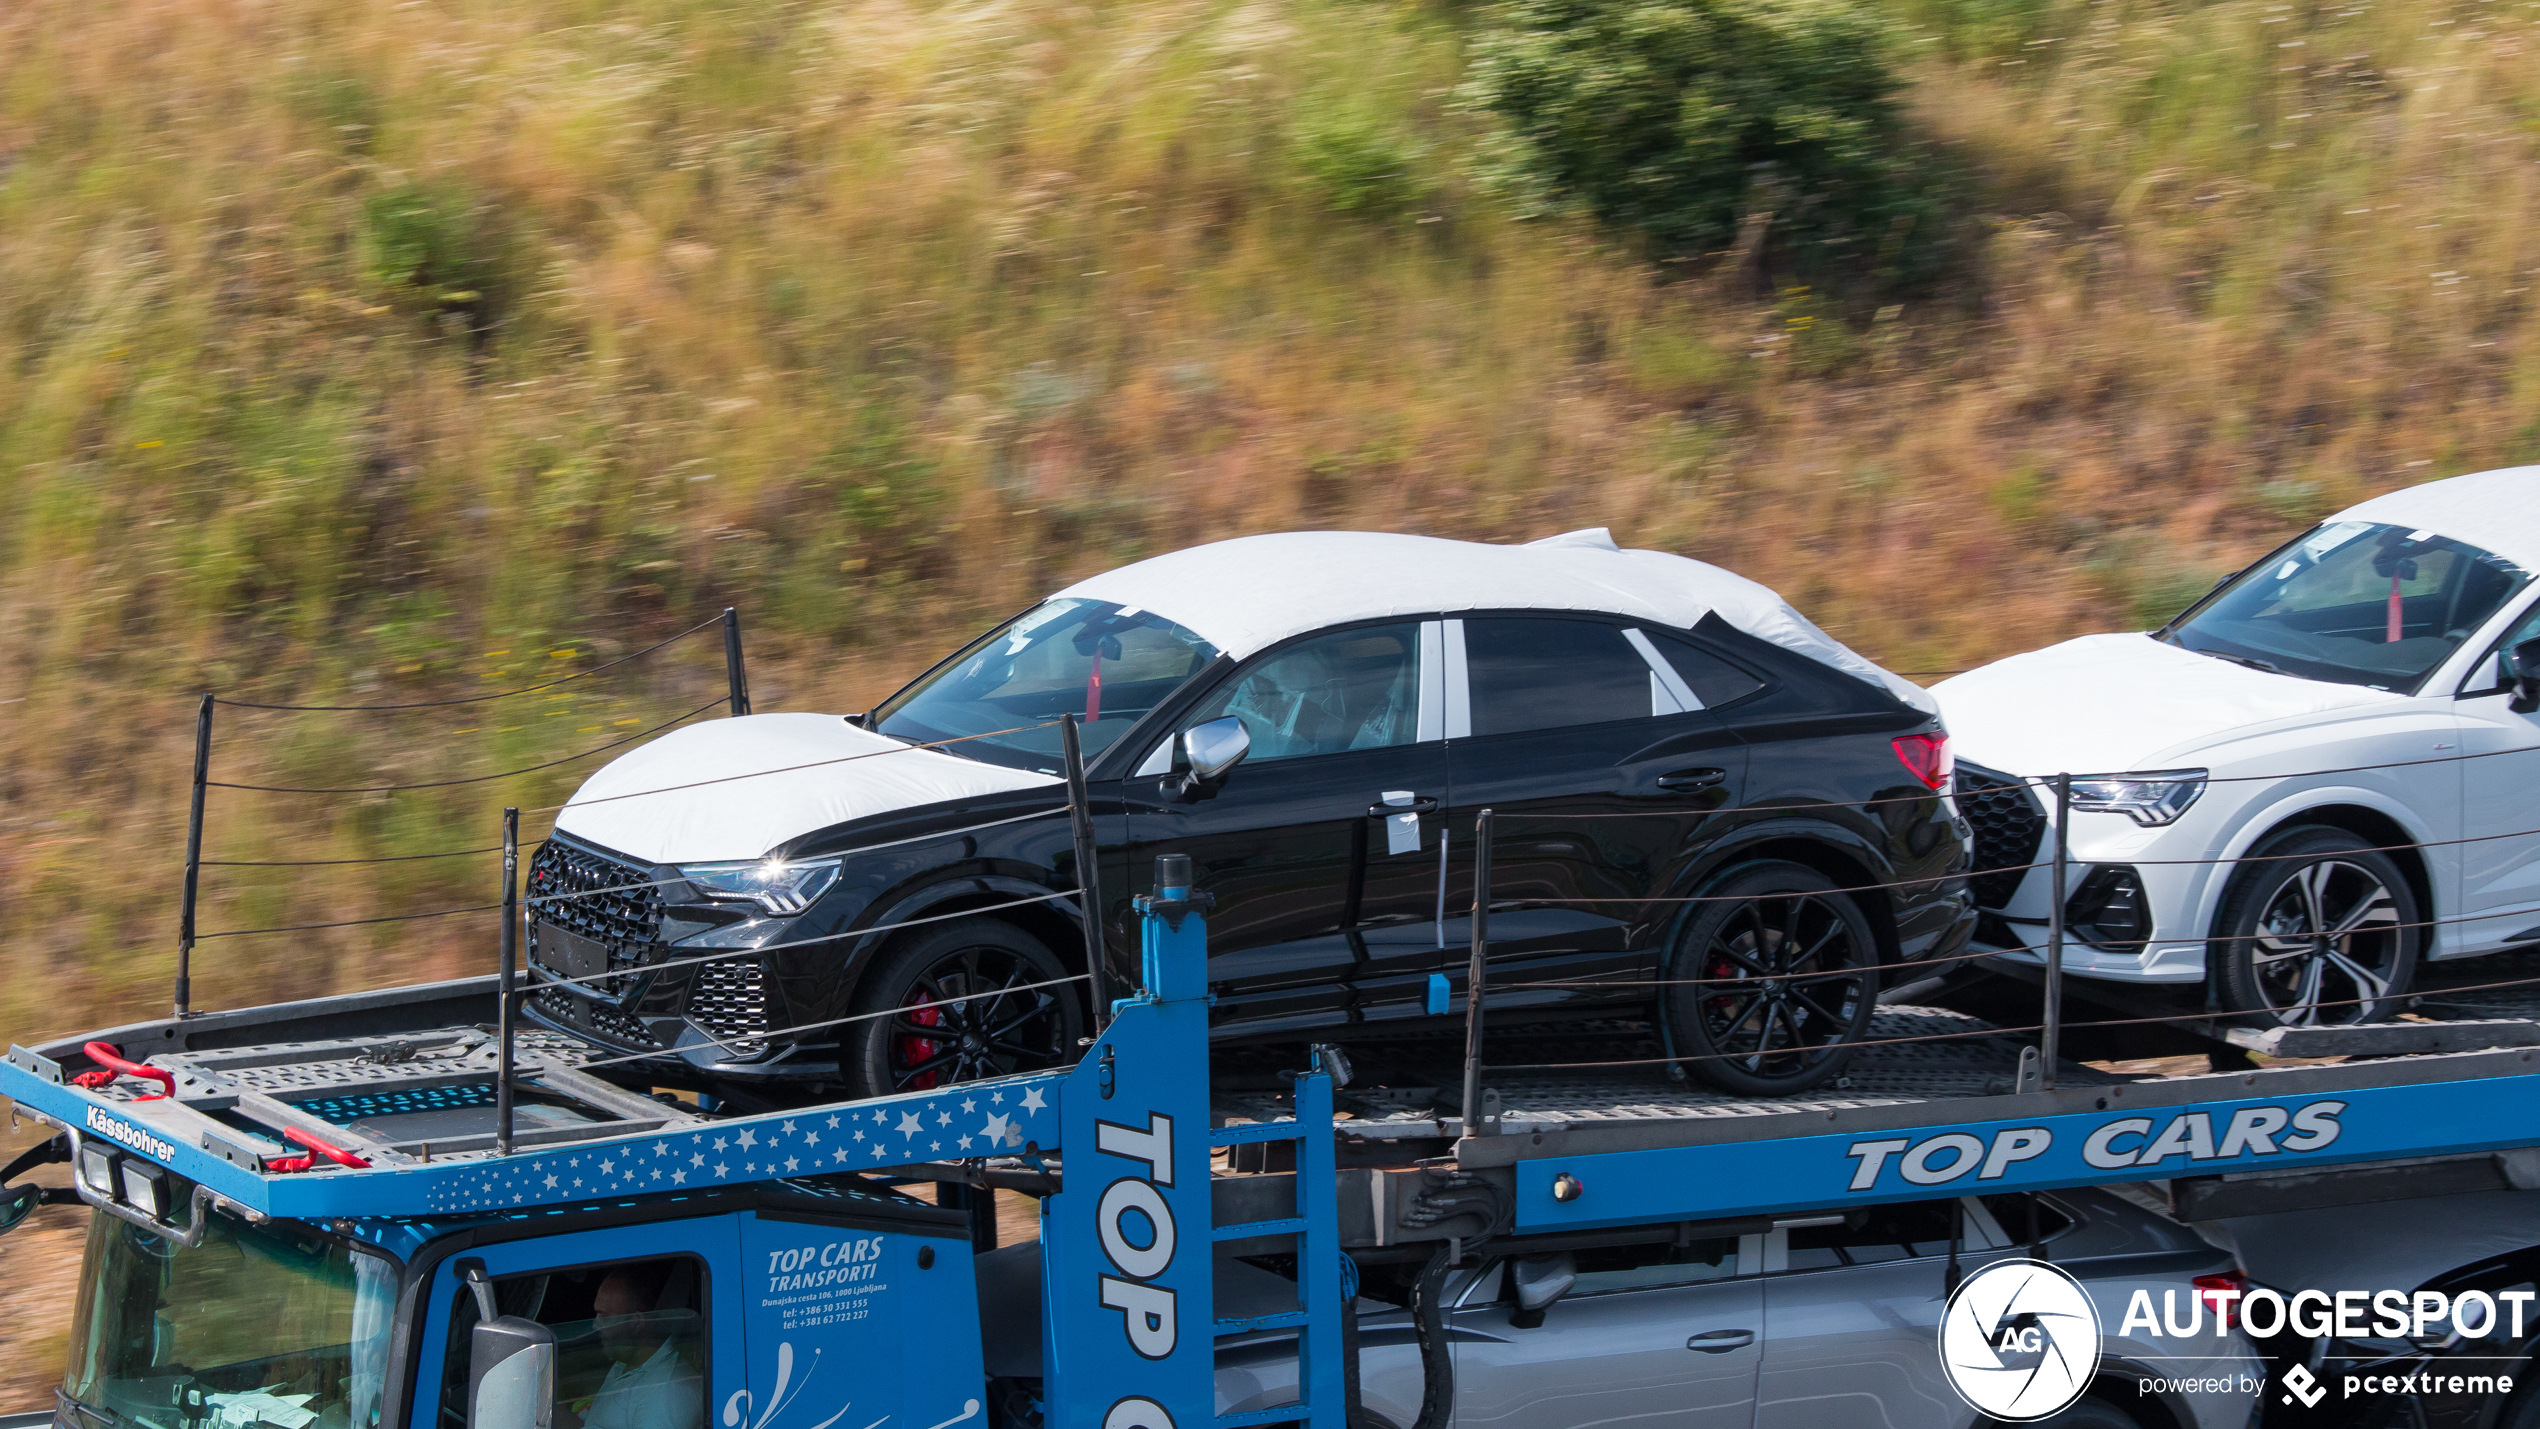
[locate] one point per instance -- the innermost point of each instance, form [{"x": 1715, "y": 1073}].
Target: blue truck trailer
[{"x": 506, "y": 1233}]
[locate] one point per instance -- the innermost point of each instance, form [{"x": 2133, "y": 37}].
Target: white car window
[{"x": 2487, "y": 677}]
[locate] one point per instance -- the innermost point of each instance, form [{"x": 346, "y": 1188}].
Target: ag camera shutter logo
[{"x": 2020, "y": 1340}]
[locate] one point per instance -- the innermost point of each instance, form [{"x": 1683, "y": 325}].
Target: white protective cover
[
  {"x": 2496, "y": 510},
  {"x": 1240, "y": 595},
  {"x": 744, "y": 818},
  {"x": 1252, "y": 592}
]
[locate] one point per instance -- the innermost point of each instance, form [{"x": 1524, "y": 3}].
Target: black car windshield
[
  {"x": 2354, "y": 603},
  {"x": 1108, "y": 663},
  {"x": 252, "y": 1327}
]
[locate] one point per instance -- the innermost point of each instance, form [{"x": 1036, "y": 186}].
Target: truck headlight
[
  {"x": 773, "y": 884},
  {"x": 2149, "y": 799}
]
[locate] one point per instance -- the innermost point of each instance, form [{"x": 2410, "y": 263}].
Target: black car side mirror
[
  {"x": 2522, "y": 667},
  {"x": 1211, "y": 750}
]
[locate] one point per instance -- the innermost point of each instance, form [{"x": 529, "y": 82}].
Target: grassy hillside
[{"x": 375, "y": 350}]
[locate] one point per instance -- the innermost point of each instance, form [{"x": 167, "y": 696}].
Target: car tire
[
  {"x": 932, "y": 1040},
  {"x": 2273, "y": 968},
  {"x": 1769, "y": 987}
]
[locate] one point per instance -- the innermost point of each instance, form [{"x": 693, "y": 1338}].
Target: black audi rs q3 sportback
[{"x": 1705, "y": 809}]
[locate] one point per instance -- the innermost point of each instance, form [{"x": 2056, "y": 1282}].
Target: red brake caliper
[{"x": 914, "y": 1050}]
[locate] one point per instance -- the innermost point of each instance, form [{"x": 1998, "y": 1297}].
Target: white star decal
[
  {"x": 934, "y": 1146},
  {"x": 722, "y": 1170},
  {"x": 858, "y": 1136},
  {"x": 679, "y": 1178},
  {"x": 697, "y": 1160},
  {"x": 607, "y": 1166},
  {"x": 965, "y": 1143},
  {"x": 943, "y": 1118},
  {"x": 551, "y": 1182},
  {"x": 720, "y": 1143},
  {"x": 787, "y": 1128},
  {"x": 969, "y": 1103},
  {"x": 879, "y": 1116},
  {"x": 749, "y": 1138},
  {"x": 1032, "y": 1100},
  {"x": 841, "y": 1153},
  {"x": 661, "y": 1148},
  {"x": 577, "y": 1183},
  {"x": 811, "y": 1138},
  {"x": 656, "y": 1173},
  {"x": 833, "y": 1122},
  {"x": 996, "y": 1098},
  {"x": 996, "y": 1128},
  {"x": 792, "y": 1165},
  {"x": 910, "y": 1125}
]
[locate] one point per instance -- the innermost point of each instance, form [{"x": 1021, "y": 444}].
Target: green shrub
[
  {"x": 1356, "y": 164},
  {"x": 435, "y": 246},
  {"x": 1681, "y": 118}
]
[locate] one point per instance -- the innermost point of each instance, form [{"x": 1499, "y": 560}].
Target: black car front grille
[
  {"x": 625, "y": 919},
  {"x": 729, "y": 999},
  {"x": 2009, "y": 826},
  {"x": 600, "y": 1023}
]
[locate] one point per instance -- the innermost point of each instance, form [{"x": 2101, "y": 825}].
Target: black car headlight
[{"x": 777, "y": 885}]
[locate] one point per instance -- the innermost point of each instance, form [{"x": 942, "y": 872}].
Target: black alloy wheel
[
  {"x": 2320, "y": 929},
  {"x": 1770, "y": 987},
  {"x": 966, "y": 1000}
]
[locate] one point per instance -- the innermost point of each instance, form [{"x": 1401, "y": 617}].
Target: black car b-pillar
[
  {"x": 503, "y": 984},
  {"x": 1474, "y": 976}
]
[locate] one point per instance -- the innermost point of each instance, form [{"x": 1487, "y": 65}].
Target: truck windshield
[
  {"x": 1107, "y": 663},
  {"x": 254, "y": 1326},
  {"x": 2355, "y": 603}
]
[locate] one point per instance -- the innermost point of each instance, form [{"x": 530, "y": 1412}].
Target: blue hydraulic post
[{"x": 1130, "y": 1321}]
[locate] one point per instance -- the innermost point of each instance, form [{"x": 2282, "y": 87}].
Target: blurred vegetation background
[{"x": 380, "y": 350}]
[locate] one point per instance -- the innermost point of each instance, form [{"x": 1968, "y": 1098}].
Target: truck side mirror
[
  {"x": 1212, "y": 749},
  {"x": 16, "y": 1204},
  {"x": 2522, "y": 666},
  {"x": 511, "y": 1363},
  {"x": 511, "y": 1374},
  {"x": 1541, "y": 1279}
]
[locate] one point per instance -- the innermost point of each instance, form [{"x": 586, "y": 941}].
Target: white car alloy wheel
[{"x": 2322, "y": 929}]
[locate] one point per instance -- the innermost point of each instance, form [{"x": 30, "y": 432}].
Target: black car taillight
[
  {"x": 1927, "y": 755},
  {"x": 2109, "y": 909}
]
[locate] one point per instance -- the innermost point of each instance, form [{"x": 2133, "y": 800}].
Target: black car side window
[
  {"x": 1636, "y": 1267},
  {"x": 1713, "y": 680},
  {"x": 1528, "y": 672},
  {"x": 1904, "y": 1232},
  {"x": 1351, "y": 689}
]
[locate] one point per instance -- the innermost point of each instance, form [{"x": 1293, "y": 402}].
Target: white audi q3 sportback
[{"x": 2323, "y": 772}]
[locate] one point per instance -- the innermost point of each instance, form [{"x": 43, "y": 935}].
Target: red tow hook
[
  {"x": 297, "y": 1137},
  {"x": 114, "y": 1066}
]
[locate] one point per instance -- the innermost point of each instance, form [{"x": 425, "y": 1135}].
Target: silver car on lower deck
[{"x": 1823, "y": 1322}]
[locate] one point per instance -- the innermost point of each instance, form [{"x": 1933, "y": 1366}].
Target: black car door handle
[
  {"x": 1422, "y": 805},
  {"x": 1687, "y": 781},
  {"x": 1712, "y": 1342}
]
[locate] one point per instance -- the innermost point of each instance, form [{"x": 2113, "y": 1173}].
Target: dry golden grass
[{"x": 879, "y": 318}]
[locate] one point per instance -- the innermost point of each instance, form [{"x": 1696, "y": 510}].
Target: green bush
[
  {"x": 435, "y": 246},
  {"x": 1356, "y": 164},
  {"x": 1681, "y": 118}
]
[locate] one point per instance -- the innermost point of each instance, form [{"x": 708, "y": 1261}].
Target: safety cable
[
  {"x": 821, "y": 858},
  {"x": 477, "y": 699},
  {"x": 338, "y": 862},
  {"x": 775, "y": 1032},
  {"x": 790, "y": 768},
  {"x": 546, "y": 978},
  {"x": 350, "y": 922},
  {"x": 479, "y": 778}
]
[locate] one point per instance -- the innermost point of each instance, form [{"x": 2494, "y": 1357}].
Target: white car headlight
[
  {"x": 2149, "y": 799},
  {"x": 773, "y": 884}
]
